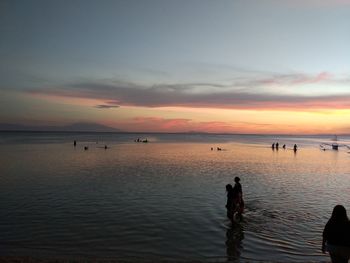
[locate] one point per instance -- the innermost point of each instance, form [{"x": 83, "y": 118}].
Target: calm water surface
[{"x": 165, "y": 200}]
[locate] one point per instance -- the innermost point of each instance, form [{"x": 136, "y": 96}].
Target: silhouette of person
[
  {"x": 336, "y": 236},
  {"x": 238, "y": 203},
  {"x": 75, "y": 143},
  {"x": 284, "y": 146},
  {"x": 295, "y": 147},
  {"x": 229, "y": 202},
  {"x": 277, "y": 144},
  {"x": 273, "y": 146}
]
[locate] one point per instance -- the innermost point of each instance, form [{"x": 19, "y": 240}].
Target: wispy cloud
[
  {"x": 296, "y": 79},
  {"x": 243, "y": 93},
  {"x": 106, "y": 106}
]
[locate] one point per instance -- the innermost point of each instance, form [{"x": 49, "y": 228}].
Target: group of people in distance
[
  {"x": 235, "y": 203},
  {"x": 141, "y": 140},
  {"x": 276, "y": 145},
  {"x": 336, "y": 236}
]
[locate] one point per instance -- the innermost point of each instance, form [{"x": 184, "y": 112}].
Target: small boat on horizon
[{"x": 334, "y": 145}]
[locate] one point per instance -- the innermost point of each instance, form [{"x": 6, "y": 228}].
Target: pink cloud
[{"x": 296, "y": 79}]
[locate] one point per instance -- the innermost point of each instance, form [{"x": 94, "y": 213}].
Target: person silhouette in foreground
[
  {"x": 336, "y": 236},
  {"x": 229, "y": 203},
  {"x": 238, "y": 203}
]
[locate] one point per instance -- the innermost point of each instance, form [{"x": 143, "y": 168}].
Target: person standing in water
[
  {"x": 238, "y": 203},
  {"x": 295, "y": 148},
  {"x": 336, "y": 236},
  {"x": 229, "y": 202}
]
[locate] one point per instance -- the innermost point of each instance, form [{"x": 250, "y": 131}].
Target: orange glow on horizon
[{"x": 211, "y": 120}]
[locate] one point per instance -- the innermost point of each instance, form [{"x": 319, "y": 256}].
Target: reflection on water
[
  {"x": 166, "y": 201},
  {"x": 234, "y": 237}
]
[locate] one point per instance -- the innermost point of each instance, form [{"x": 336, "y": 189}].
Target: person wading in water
[
  {"x": 238, "y": 203},
  {"x": 229, "y": 203}
]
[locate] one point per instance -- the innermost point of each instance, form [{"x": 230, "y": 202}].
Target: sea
[{"x": 164, "y": 200}]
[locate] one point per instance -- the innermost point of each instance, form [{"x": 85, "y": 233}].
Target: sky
[{"x": 223, "y": 66}]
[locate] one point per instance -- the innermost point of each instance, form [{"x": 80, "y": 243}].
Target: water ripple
[{"x": 166, "y": 201}]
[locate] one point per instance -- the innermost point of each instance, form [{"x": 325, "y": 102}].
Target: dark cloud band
[{"x": 243, "y": 94}]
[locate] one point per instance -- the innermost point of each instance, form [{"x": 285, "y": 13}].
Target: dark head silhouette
[
  {"x": 336, "y": 236},
  {"x": 339, "y": 214},
  {"x": 229, "y": 187},
  {"x": 237, "y": 179}
]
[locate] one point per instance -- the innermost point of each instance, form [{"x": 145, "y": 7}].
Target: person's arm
[
  {"x": 323, "y": 245},
  {"x": 325, "y": 230}
]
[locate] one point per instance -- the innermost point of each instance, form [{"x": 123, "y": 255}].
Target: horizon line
[{"x": 188, "y": 132}]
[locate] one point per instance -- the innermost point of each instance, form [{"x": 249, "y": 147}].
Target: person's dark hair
[
  {"x": 229, "y": 187},
  {"x": 237, "y": 179},
  {"x": 339, "y": 214}
]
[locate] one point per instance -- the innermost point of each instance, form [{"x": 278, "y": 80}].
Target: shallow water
[{"x": 165, "y": 200}]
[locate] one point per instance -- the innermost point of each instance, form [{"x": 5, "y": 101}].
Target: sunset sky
[{"x": 224, "y": 66}]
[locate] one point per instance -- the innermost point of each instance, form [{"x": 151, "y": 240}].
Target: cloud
[
  {"x": 242, "y": 93},
  {"x": 295, "y": 79},
  {"x": 105, "y": 106}
]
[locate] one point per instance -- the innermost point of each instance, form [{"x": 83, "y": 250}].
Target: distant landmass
[{"x": 75, "y": 127}]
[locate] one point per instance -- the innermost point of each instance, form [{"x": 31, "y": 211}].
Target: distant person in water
[
  {"x": 273, "y": 146},
  {"x": 277, "y": 144},
  {"x": 229, "y": 202},
  {"x": 75, "y": 143},
  {"x": 295, "y": 147},
  {"x": 284, "y": 146},
  {"x": 238, "y": 203},
  {"x": 336, "y": 236}
]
